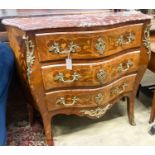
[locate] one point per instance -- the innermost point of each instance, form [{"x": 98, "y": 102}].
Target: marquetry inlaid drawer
[
  {"x": 87, "y": 44},
  {"x": 89, "y": 97},
  {"x": 89, "y": 74}
]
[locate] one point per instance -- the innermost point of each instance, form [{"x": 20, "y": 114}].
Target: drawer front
[
  {"x": 87, "y": 44},
  {"x": 89, "y": 97},
  {"x": 89, "y": 74}
]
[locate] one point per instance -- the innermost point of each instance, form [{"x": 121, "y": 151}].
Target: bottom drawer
[{"x": 89, "y": 97}]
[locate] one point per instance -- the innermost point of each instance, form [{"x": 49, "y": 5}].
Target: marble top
[{"x": 75, "y": 20}]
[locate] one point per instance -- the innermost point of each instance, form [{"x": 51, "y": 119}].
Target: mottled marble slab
[{"x": 75, "y": 20}]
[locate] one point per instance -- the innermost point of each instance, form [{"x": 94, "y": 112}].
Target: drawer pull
[
  {"x": 100, "y": 45},
  {"x": 125, "y": 67},
  {"x": 99, "y": 98},
  {"x": 62, "y": 101},
  {"x": 55, "y": 48},
  {"x": 125, "y": 39},
  {"x": 119, "y": 89},
  {"x": 60, "y": 77},
  {"x": 101, "y": 75}
]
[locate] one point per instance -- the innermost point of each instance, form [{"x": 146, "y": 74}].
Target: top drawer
[{"x": 87, "y": 44}]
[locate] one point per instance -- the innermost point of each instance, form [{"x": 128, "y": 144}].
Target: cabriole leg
[
  {"x": 152, "y": 115},
  {"x": 48, "y": 130},
  {"x": 130, "y": 109},
  {"x": 30, "y": 113}
]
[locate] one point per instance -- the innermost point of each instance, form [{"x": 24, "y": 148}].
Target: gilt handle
[
  {"x": 125, "y": 39},
  {"x": 125, "y": 67},
  {"x": 55, "y": 48},
  {"x": 119, "y": 89},
  {"x": 61, "y": 77},
  {"x": 63, "y": 101}
]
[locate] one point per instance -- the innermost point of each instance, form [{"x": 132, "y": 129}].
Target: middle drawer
[{"x": 89, "y": 74}]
